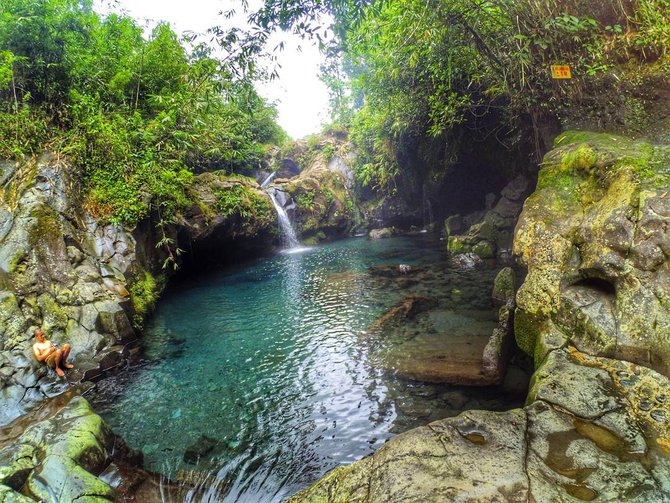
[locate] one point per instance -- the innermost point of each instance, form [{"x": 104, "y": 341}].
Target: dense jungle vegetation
[
  {"x": 139, "y": 115},
  {"x": 408, "y": 72}
]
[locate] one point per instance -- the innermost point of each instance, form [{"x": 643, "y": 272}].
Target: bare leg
[
  {"x": 66, "y": 352},
  {"x": 59, "y": 357}
]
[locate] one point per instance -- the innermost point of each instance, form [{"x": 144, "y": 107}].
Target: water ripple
[{"x": 260, "y": 376}]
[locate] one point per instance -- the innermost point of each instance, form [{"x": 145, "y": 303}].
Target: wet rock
[
  {"x": 386, "y": 232},
  {"x": 465, "y": 261},
  {"x": 72, "y": 444},
  {"x": 496, "y": 352},
  {"x": 504, "y": 286},
  {"x": 582, "y": 446}
]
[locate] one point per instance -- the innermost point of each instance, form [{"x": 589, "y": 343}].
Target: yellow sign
[{"x": 560, "y": 72}]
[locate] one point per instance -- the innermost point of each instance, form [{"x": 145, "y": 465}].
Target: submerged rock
[
  {"x": 407, "y": 309},
  {"x": 205, "y": 446}
]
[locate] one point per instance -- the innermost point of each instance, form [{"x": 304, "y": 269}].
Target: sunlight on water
[{"x": 258, "y": 375}]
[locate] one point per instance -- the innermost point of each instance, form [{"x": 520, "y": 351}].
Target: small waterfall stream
[{"x": 288, "y": 236}]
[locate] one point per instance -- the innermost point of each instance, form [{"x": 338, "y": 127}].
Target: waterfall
[
  {"x": 267, "y": 181},
  {"x": 289, "y": 238}
]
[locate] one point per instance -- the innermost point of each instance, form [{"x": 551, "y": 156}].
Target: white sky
[{"x": 301, "y": 98}]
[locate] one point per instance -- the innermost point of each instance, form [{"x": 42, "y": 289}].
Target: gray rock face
[{"x": 59, "y": 270}]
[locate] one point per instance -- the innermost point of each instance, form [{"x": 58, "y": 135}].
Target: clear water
[{"x": 262, "y": 371}]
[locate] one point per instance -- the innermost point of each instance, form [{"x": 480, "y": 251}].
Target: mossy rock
[
  {"x": 13, "y": 324},
  {"x": 8, "y": 495},
  {"x": 60, "y": 455},
  {"x": 453, "y": 225},
  {"x": 484, "y": 249},
  {"x": 458, "y": 244},
  {"x": 598, "y": 213},
  {"x": 504, "y": 285}
]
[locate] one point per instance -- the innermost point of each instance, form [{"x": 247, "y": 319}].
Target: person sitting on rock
[{"x": 53, "y": 356}]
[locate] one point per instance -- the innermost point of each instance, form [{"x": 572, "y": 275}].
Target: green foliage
[
  {"x": 240, "y": 200},
  {"x": 305, "y": 199},
  {"x": 328, "y": 152},
  {"x": 144, "y": 294},
  {"x": 137, "y": 116},
  {"x": 406, "y": 69}
]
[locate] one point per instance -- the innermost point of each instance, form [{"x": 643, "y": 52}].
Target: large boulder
[
  {"x": 320, "y": 200},
  {"x": 57, "y": 263},
  {"x": 595, "y": 238},
  {"x": 67, "y": 454},
  {"x": 593, "y": 428}
]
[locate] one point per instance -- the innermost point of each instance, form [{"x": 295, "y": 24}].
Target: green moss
[
  {"x": 457, "y": 244},
  {"x": 46, "y": 229},
  {"x": 306, "y": 199},
  {"x": 527, "y": 328},
  {"x": 53, "y": 316},
  {"x": 504, "y": 285},
  {"x": 144, "y": 294},
  {"x": 484, "y": 249},
  {"x": 582, "y": 158},
  {"x": 556, "y": 178},
  {"x": 16, "y": 260},
  {"x": 239, "y": 199}
]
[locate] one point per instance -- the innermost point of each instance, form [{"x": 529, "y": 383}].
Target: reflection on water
[{"x": 259, "y": 375}]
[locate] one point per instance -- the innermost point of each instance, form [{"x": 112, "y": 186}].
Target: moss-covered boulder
[
  {"x": 321, "y": 202},
  {"x": 61, "y": 456},
  {"x": 594, "y": 237}
]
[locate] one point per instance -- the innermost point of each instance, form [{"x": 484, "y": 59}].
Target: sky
[{"x": 301, "y": 98}]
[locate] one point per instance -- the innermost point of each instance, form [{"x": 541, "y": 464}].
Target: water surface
[{"x": 260, "y": 375}]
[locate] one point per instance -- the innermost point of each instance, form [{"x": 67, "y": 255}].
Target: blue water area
[{"x": 258, "y": 375}]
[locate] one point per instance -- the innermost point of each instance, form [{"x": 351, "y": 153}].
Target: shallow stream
[{"x": 264, "y": 376}]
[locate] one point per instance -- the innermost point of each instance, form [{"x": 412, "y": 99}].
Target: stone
[
  {"x": 453, "y": 224},
  {"x": 386, "y": 232},
  {"x": 13, "y": 325},
  {"x": 112, "y": 319},
  {"x": 7, "y": 495},
  {"x": 484, "y": 249},
  {"x": 72, "y": 443},
  {"x": 504, "y": 286},
  {"x": 203, "y": 447},
  {"x": 407, "y": 309},
  {"x": 592, "y": 236},
  {"x": 572, "y": 440}
]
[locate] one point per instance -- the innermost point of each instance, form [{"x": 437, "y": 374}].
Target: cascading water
[{"x": 288, "y": 236}]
